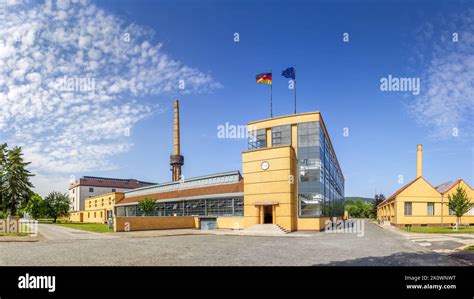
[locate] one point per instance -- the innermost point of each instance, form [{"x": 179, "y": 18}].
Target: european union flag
[{"x": 289, "y": 73}]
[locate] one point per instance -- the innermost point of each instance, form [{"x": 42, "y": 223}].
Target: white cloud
[
  {"x": 46, "y": 183},
  {"x": 6, "y": 51},
  {"x": 66, "y": 131},
  {"x": 446, "y": 104}
]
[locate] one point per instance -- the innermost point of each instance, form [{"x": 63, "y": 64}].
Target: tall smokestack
[
  {"x": 419, "y": 160},
  {"x": 176, "y": 160}
]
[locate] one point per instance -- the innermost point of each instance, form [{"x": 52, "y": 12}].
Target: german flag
[{"x": 264, "y": 78}]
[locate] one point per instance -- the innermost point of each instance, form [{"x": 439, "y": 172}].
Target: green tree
[
  {"x": 460, "y": 204},
  {"x": 377, "y": 200},
  {"x": 56, "y": 205},
  {"x": 16, "y": 181},
  {"x": 147, "y": 206},
  {"x": 358, "y": 208},
  {"x": 36, "y": 207}
]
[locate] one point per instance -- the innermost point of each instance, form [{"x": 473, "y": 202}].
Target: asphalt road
[
  {"x": 60, "y": 233},
  {"x": 377, "y": 247}
]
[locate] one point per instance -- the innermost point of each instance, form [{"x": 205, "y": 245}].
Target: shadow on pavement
[{"x": 400, "y": 259}]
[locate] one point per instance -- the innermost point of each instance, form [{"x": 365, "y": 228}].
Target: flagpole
[
  {"x": 271, "y": 95},
  {"x": 295, "y": 88}
]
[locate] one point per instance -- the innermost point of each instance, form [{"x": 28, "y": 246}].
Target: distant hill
[{"x": 367, "y": 199}]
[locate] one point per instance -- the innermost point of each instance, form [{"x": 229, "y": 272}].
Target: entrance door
[{"x": 268, "y": 214}]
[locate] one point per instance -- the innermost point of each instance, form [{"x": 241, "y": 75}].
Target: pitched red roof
[
  {"x": 442, "y": 188},
  {"x": 109, "y": 183}
]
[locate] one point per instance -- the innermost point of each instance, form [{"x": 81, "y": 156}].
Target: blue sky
[{"x": 342, "y": 80}]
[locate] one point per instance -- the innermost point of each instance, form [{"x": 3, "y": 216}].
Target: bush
[
  {"x": 3, "y": 215},
  {"x": 358, "y": 208},
  {"x": 147, "y": 206}
]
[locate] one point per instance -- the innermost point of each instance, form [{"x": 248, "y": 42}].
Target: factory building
[
  {"x": 214, "y": 200},
  {"x": 90, "y": 186},
  {"x": 291, "y": 178},
  {"x": 419, "y": 203}
]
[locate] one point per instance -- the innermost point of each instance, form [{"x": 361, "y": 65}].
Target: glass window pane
[{"x": 281, "y": 135}]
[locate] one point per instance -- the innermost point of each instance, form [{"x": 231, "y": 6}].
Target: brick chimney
[
  {"x": 419, "y": 160},
  {"x": 176, "y": 160}
]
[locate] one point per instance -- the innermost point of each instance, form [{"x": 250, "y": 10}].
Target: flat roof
[{"x": 299, "y": 115}]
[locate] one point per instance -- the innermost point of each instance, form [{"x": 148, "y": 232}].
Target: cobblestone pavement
[
  {"x": 377, "y": 247},
  {"x": 447, "y": 244}
]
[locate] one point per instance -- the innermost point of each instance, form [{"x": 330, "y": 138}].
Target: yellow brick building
[
  {"x": 98, "y": 209},
  {"x": 420, "y": 203},
  {"x": 291, "y": 174}
]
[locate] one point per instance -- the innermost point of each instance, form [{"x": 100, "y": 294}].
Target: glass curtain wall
[
  {"x": 200, "y": 207},
  {"x": 320, "y": 184}
]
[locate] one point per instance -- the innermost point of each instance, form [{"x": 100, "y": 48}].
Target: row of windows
[
  {"x": 201, "y": 207},
  {"x": 102, "y": 203},
  {"x": 95, "y": 214},
  {"x": 281, "y": 135},
  {"x": 430, "y": 209},
  {"x": 91, "y": 189}
]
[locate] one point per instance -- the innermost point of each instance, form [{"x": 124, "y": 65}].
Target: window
[
  {"x": 470, "y": 212},
  {"x": 310, "y": 204},
  {"x": 431, "y": 210},
  {"x": 281, "y": 135},
  {"x": 95, "y": 215},
  {"x": 131, "y": 211},
  {"x": 120, "y": 211},
  {"x": 451, "y": 212},
  {"x": 195, "y": 208},
  {"x": 73, "y": 191},
  {"x": 88, "y": 215},
  {"x": 257, "y": 139},
  {"x": 212, "y": 207},
  {"x": 91, "y": 189},
  {"x": 408, "y": 208},
  {"x": 238, "y": 206},
  {"x": 114, "y": 190},
  {"x": 101, "y": 214}
]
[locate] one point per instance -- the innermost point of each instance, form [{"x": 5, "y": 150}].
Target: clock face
[{"x": 265, "y": 165}]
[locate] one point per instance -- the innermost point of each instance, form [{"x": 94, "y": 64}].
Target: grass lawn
[
  {"x": 91, "y": 227},
  {"x": 48, "y": 220},
  {"x": 13, "y": 235},
  {"x": 440, "y": 229},
  {"x": 23, "y": 232},
  {"x": 470, "y": 248}
]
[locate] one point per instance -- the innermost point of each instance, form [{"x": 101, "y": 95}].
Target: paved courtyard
[{"x": 377, "y": 247}]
